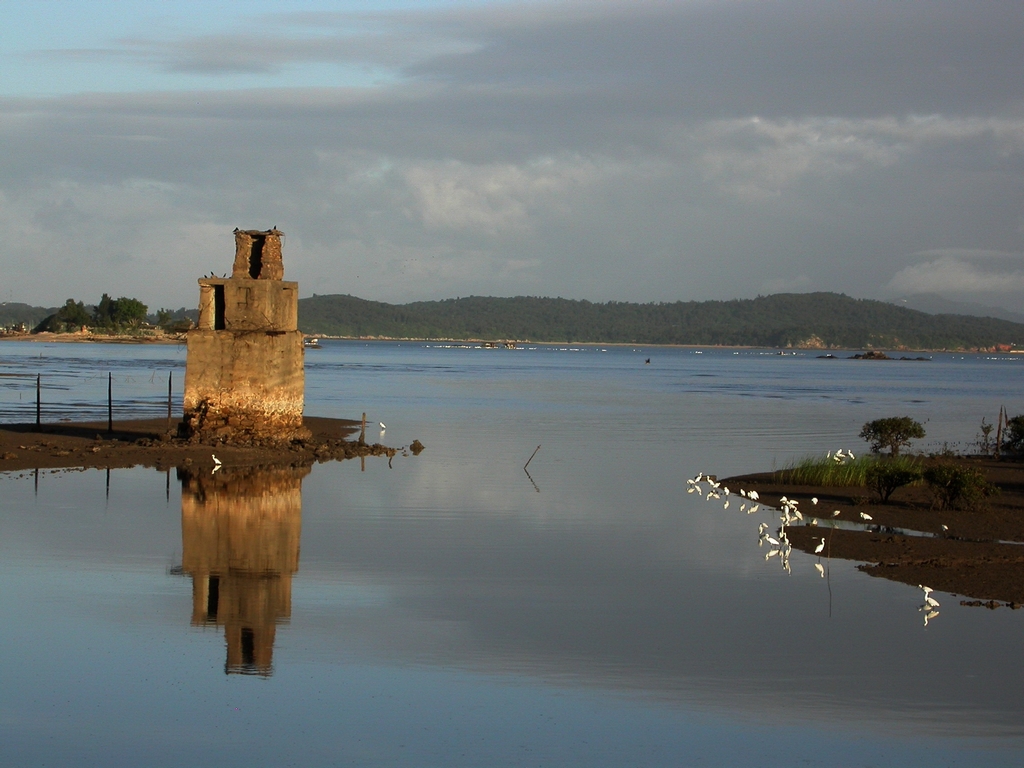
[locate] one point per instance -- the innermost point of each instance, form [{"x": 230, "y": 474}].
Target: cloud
[
  {"x": 953, "y": 275},
  {"x": 797, "y": 284},
  {"x": 497, "y": 197},
  {"x": 646, "y": 152}
]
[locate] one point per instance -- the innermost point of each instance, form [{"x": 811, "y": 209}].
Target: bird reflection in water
[{"x": 240, "y": 534}]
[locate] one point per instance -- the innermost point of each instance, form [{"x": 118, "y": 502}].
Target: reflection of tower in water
[{"x": 240, "y": 544}]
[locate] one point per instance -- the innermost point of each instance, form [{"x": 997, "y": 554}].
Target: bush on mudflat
[
  {"x": 1013, "y": 439},
  {"x": 884, "y": 477},
  {"x": 957, "y": 487}
]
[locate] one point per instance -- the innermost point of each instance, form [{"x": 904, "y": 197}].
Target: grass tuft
[{"x": 823, "y": 471}]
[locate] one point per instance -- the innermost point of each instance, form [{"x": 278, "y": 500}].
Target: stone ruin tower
[{"x": 244, "y": 377}]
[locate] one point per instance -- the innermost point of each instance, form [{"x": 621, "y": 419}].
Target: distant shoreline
[{"x": 91, "y": 338}]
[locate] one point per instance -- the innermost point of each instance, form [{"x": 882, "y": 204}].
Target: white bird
[
  {"x": 383, "y": 426},
  {"x": 927, "y": 590},
  {"x": 820, "y": 570},
  {"x": 216, "y": 461},
  {"x": 814, "y": 521},
  {"x": 820, "y": 547},
  {"x": 945, "y": 529},
  {"x": 814, "y": 500},
  {"x": 931, "y": 602},
  {"x": 836, "y": 513},
  {"x": 866, "y": 516},
  {"x": 753, "y": 495},
  {"x": 773, "y": 542}
]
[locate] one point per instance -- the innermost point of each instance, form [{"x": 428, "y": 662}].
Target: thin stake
[
  {"x": 39, "y": 410},
  {"x": 999, "y": 430},
  {"x": 169, "y": 375},
  {"x": 362, "y": 431},
  {"x": 110, "y": 402},
  {"x": 531, "y": 457}
]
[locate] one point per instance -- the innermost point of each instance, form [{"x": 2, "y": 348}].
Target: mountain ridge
[{"x": 810, "y": 320}]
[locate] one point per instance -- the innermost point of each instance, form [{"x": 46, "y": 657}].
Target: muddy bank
[
  {"x": 979, "y": 554},
  {"x": 153, "y": 443}
]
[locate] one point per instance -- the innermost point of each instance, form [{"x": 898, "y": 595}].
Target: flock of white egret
[{"x": 709, "y": 488}]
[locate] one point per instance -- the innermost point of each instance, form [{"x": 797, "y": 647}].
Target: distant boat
[{"x": 311, "y": 343}]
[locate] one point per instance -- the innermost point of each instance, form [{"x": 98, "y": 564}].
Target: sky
[{"x": 602, "y": 150}]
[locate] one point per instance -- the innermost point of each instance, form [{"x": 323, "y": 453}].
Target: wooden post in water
[
  {"x": 39, "y": 411},
  {"x": 169, "y": 375},
  {"x": 362, "y": 431},
  {"x": 999, "y": 430},
  {"x": 110, "y": 402}
]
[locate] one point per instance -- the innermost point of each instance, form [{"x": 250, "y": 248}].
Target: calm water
[{"x": 454, "y": 611}]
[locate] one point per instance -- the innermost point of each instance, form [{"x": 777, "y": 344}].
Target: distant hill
[
  {"x": 13, "y": 313},
  {"x": 824, "y": 320}
]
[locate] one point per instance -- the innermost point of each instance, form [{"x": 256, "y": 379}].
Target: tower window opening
[
  {"x": 218, "y": 308},
  {"x": 256, "y": 257}
]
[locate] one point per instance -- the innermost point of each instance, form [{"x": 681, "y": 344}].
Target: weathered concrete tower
[{"x": 244, "y": 377}]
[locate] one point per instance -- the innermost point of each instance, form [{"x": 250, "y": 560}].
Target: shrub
[
  {"x": 1013, "y": 439},
  {"x": 884, "y": 477},
  {"x": 893, "y": 433},
  {"x": 957, "y": 487}
]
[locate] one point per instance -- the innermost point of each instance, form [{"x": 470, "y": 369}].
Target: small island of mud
[
  {"x": 154, "y": 443},
  {"x": 975, "y": 553}
]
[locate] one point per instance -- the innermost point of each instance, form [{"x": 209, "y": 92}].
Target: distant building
[{"x": 244, "y": 377}]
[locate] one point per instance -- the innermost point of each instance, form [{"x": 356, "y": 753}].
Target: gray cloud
[{"x": 675, "y": 151}]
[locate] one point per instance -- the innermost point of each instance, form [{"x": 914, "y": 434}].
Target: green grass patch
[{"x": 822, "y": 471}]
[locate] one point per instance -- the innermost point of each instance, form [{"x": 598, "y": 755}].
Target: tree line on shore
[
  {"x": 108, "y": 315},
  {"x": 811, "y": 320},
  {"x": 825, "y": 320}
]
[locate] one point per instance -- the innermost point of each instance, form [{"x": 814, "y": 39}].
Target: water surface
[{"x": 454, "y": 611}]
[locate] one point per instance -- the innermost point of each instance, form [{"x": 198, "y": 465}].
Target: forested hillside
[
  {"x": 809, "y": 319},
  {"x": 13, "y": 313}
]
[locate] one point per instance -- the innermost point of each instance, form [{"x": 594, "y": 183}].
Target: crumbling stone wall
[
  {"x": 244, "y": 377},
  {"x": 258, "y": 255}
]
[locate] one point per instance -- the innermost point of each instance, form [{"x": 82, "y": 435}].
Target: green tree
[
  {"x": 128, "y": 313},
  {"x": 893, "y": 433},
  {"x": 1013, "y": 439},
  {"x": 119, "y": 313},
  {"x": 884, "y": 477},
  {"x": 73, "y": 314}
]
